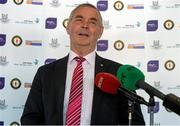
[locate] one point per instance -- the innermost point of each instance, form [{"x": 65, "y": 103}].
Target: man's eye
[{"x": 93, "y": 22}]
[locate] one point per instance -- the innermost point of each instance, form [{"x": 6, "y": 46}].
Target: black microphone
[
  {"x": 110, "y": 84},
  {"x": 172, "y": 102},
  {"x": 132, "y": 78}
]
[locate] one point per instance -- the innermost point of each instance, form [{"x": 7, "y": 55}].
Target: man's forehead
[{"x": 80, "y": 10}]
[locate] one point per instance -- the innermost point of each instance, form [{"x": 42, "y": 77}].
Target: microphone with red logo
[{"x": 110, "y": 84}]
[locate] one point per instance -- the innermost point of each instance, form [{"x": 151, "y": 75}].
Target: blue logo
[
  {"x": 153, "y": 66},
  {"x": 155, "y": 108},
  {"x": 102, "y": 45},
  {"x": 3, "y": 1},
  {"x": 51, "y": 23},
  {"x": 2, "y": 39},
  {"x": 2, "y": 82},
  {"x": 48, "y": 61},
  {"x": 102, "y": 5},
  {"x": 152, "y": 25}
]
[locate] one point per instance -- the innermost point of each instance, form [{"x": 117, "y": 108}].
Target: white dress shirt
[{"x": 88, "y": 85}]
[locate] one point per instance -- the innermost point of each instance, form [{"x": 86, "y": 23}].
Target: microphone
[
  {"x": 132, "y": 79},
  {"x": 110, "y": 84}
]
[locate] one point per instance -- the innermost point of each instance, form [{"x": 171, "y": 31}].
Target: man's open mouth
[{"x": 83, "y": 34}]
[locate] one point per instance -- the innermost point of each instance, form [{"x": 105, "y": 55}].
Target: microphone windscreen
[
  {"x": 107, "y": 82},
  {"x": 128, "y": 76}
]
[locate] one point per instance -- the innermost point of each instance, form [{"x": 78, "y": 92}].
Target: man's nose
[{"x": 85, "y": 24}]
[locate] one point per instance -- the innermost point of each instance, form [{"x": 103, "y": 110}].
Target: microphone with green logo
[{"x": 132, "y": 78}]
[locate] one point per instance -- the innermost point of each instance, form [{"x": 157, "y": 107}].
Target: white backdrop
[{"x": 143, "y": 33}]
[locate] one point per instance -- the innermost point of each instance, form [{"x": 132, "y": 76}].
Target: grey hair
[{"x": 85, "y": 5}]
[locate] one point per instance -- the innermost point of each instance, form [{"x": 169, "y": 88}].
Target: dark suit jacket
[{"x": 45, "y": 101}]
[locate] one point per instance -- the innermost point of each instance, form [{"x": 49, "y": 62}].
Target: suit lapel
[
  {"x": 60, "y": 81},
  {"x": 97, "y": 97}
]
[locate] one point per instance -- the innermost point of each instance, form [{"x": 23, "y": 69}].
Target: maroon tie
[{"x": 73, "y": 114}]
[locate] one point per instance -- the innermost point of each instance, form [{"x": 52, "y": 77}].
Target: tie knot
[{"x": 79, "y": 59}]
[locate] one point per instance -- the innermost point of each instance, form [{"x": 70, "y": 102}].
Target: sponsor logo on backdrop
[
  {"x": 2, "y": 39},
  {"x": 33, "y": 42},
  {"x": 136, "y": 46},
  {"x": 118, "y": 45},
  {"x": 102, "y": 5},
  {"x": 72, "y": 5},
  {"x": 65, "y": 22},
  {"x": 55, "y": 3},
  {"x": 130, "y": 26},
  {"x": 155, "y": 108},
  {"x": 4, "y": 18},
  {"x": 168, "y": 24},
  {"x": 106, "y": 24},
  {"x": 173, "y": 6},
  {"x": 35, "y": 2},
  {"x": 118, "y": 5},
  {"x": 15, "y": 124},
  {"x": 54, "y": 43},
  {"x": 152, "y": 25},
  {"x": 36, "y": 20},
  {"x": 27, "y": 63},
  {"x": 15, "y": 83},
  {"x": 2, "y": 82},
  {"x": 169, "y": 65},
  {"x": 18, "y": 2},
  {"x": 27, "y": 85},
  {"x": 3, "y": 1},
  {"x": 102, "y": 45},
  {"x": 27, "y": 21},
  {"x": 18, "y": 107},
  {"x": 51, "y": 23},
  {"x": 153, "y": 66},
  {"x": 48, "y": 61},
  {"x": 3, "y": 60},
  {"x": 155, "y": 4},
  {"x": 3, "y": 105},
  {"x": 138, "y": 64},
  {"x": 157, "y": 85},
  {"x": 16, "y": 40},
  {"x": 156, "y": 44},
  {"x": 135, "y": 6},
  {"x": 177, "y": 45},
  {"x": 173, "y": 87}
]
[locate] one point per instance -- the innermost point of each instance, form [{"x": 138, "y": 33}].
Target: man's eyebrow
[{"x": 94, "y": 19}]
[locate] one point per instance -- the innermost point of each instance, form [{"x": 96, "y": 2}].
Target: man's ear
[{"x": 67, "y": 28}]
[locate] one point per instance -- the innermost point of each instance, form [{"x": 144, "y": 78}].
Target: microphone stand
[
  {"x": 130, "y": 111},
  {"x": 151, "y": 109},
  {"x": 132, "y": 99}
]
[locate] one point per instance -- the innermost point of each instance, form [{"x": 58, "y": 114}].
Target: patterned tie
[{"x": 74, "y": 107}]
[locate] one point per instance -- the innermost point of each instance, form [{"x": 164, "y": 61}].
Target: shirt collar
[{"x": 90, "y": 58}]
